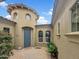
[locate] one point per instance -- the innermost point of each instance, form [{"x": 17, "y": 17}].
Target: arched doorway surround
[{"x": 27, "y": 36}]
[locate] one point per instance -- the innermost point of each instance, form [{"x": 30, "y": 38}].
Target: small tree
[{"x": 5, "y": 45}]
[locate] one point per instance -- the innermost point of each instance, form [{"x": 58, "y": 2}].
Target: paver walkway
[{"x": 30, "y": 53}]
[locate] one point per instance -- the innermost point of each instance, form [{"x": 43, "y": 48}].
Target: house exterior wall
[
  {"x": 43, "y": 28},
  {"x": 22, "y": 22},
  {"x": 10, "y": 26},
  {"x": 19, "y": 24},
  {"x": 67, "y": 41}
]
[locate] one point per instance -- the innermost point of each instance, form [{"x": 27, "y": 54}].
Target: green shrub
[
  {"x": 52, "y": 49},
  {"x": 5, "y": 45}
]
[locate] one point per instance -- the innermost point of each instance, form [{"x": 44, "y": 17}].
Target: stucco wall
[
  {"x": 23, "y": 22},
  {"x": 44, "y": 29},
  {"x": 68, "y": 42}
]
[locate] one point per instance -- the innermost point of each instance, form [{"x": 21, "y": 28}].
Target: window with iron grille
[
  {"x": 48, "y": 36},
  {"x": 40, "y": 36}
]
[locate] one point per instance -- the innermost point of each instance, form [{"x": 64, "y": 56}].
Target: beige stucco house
[
  {"x": 23, "y": 27},
  {"x": 65, "y": 27}
]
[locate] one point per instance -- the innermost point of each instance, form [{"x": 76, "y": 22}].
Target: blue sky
[{"x": 44, "y": 8}]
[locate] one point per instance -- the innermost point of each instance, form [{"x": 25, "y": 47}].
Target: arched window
[
  {"x": 28, "y": 17},
  {"x": 15, "y": 16},
  {"x": 48, "y": 36},
  {"x": 40, "y": 36}
]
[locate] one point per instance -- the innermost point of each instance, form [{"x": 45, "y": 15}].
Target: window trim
[
  {"x": 40, "y": 36},
  {"x": 76, "y": 23},
  {"x": 15, "y": 15},
  {"x": 7, "y": 29},
  {"x": 49, "y": 36},
  {"x": 58, "y": 28},
  {"x": 29, "y": 16}
]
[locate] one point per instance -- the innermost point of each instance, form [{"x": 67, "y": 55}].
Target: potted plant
[
  {"x": 52, "y": 49},
  {"x": 6, "y": 46}
]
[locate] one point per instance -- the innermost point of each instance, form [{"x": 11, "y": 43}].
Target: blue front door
[{"x": 27, "y": 37}]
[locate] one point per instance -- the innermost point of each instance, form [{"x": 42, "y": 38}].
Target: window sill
[
  {"x": 58, "y": 35},
  {"x": 74, "y": 41},
  {"x": 72, "y": 33},
  {"x": 42, "y": 42}
]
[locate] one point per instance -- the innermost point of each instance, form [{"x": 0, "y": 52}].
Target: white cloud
[
  {"x": 49, "y": 12},
  {"x": 3, "y": 4},
  {"x": 42, "y": 20},
  {"x": 51, "y": 9},
  {"x": 8, "y": 17}
]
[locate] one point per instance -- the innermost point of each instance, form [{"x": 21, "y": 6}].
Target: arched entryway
[{"x": 27, "y": 36}]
